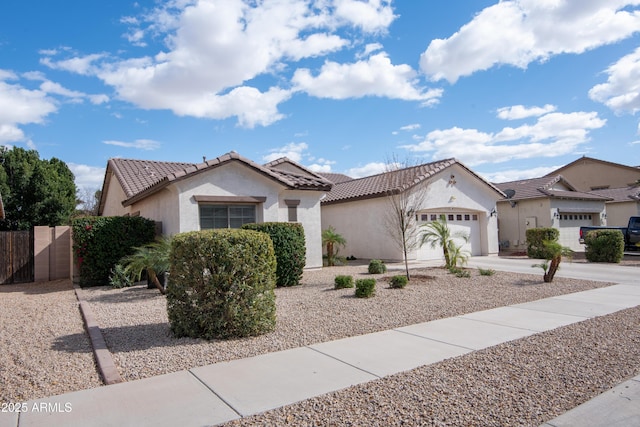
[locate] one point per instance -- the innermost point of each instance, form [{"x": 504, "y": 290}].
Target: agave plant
[{"x": 152, "y": 258}]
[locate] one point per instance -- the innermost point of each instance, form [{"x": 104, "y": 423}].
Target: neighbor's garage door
[
  {"x": 458, "y": 222},
  {"x": 570, "y": 224}
]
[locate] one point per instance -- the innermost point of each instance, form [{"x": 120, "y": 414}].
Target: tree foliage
[
  {"x": 34, "y": 191},
  {"x": 332, "y": 240},
  {"x": 437, "y": 233}
]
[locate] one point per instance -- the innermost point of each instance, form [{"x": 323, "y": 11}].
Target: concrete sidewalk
[{"x": 225, "y": 391}]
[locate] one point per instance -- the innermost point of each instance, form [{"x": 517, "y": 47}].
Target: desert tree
[
  {"x": 437, "y": 233},
  {"x": 405, "y": 191},
  {"x": 332, "y": 240}
]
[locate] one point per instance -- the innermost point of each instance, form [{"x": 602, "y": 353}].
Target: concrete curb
[{"x": 101, "y": 353}]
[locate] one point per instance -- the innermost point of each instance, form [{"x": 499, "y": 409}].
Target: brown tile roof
[
  {"x": 391, "y": 182},
  {"x": 140, "y": 178},
  {"x": 591, "y": 159},
  {"x": 618, "y": 195},
  {"x": 336, "y": 178},
  {"x": 543, "y": 187}
]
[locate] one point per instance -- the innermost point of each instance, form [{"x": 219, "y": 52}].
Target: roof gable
[
  {"x": 141, "y": 178},
  {"x": 585, "y": 159},
  {"x": 392, "y": 182},
  {"x": 547, "y": 186}
]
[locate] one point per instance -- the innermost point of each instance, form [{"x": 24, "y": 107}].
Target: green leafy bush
[
  {"x": 342, "y": 282},
  {"x": 460, "y": 272},
  {"x": 486, "y": 272},
  {"x": 399, "y": 281},
  {"x": 100, "y": 242},
  {"x": 289, "y": 245},
  {"x": 535, "y": 241},
  {"x": 377, "y": 266},
  {"x": 365, "y": 288},
  {"x": 604, "y": 246},
  {"x": 222, "y": 284}
]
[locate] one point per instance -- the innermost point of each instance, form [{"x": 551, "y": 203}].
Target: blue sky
[{"x": 513, "y": 89}]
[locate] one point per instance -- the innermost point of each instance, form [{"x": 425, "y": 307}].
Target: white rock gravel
[
  {"x": 135, "y": 326},
  {"x": 44, "y": 349}
]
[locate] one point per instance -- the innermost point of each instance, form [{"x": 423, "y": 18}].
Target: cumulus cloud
[
  {"x": 376, "y": 76},
  {"x": 214, "y": 53},
  {"x": 553, "y": 134},
  {"x": 621, "y": 92},
  {"x": 140, "y": 144},
  {"x": 293, "y": 151},
  {"x": 369, "y": 169},
  {"x": 521, "y": 112},
  {"x": 530, "y": 30},
  {"x": 87, "y": 177},
  {"x": 509, "y": 175}
]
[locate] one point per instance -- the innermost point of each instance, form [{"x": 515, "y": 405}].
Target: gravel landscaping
[
  {"x": 523, "y": 382},
  {"x": 135, "y": 326},
  {"x": 45, "y": 350}
]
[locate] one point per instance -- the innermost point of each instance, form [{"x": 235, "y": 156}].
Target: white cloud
[
  {"x": 321, "y": 165},
  {"x": 516, "y": 112},
  {"x": 551, "y": 135},
  {"x": 251, "y": 39},
  {"x": 367, "y": 170},
  {"x": 621, "y": 92},
  {"x": 413, "y": 126},
  {"x": 140, "y": 144},
  {"x": 517, "y": 174},
  {"x": 376, "y": 76},
  {"x": 529, "y": 30},
  {"x": 292, "y": 151},
  {"x": 87, "y": 177},
  {"x": 21, "y": 106}
]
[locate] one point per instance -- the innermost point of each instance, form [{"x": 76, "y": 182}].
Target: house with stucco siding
[
  {"x": 225, "y": 192},
  {"x": 356, "y": 209}
]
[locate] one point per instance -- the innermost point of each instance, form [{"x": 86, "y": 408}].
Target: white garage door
[
  {"x": 458, "y": 222},
  {"x": 570, "y": 224}
]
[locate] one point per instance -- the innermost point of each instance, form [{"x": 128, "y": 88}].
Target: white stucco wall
[
  {"x": 362, "y": 222},
  {"x": 114, "y": 197},
  {"x": 308, "y": 212}
]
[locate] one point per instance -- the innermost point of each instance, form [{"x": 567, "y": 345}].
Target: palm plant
[
  {"x": 332, "y": 240},
  {"x": 437, "y": 233},
  {"x": 152, "y": 258},
  {"x": 555, "y": 251}
]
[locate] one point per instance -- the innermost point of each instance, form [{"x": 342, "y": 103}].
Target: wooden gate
[{"x": 16, "y": 257}]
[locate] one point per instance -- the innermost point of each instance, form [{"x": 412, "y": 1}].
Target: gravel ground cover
[
  {"x": 43, "y": 347},
  {"x": 135, "y": 326},
  {"x": 520, "y": 383}
]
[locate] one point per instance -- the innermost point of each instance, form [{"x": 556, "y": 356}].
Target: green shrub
[
  {"x": 486, "y": 272},
  {"x": 460, "y": 272},
  {"x": 365, "y": 288},
  {"x": 289, "y": 245},
  {"x": 604, "y": 246},
  {"x": 119, "y": 277},
  {"x": 342, "y": 282},
  {"x": 535, "y": 241},
  {"x": 222, "y": 284},
  {"x": 377, "y": 266},
  {"x": 100, "y": 242},
  {"x": 399, "y": 281}
]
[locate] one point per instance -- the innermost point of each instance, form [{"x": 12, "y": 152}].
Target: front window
[{"x": 226, "y": 216}]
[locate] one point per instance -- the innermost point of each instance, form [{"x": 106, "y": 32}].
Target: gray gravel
[
  {"x": 43, "y": 347},
  {"x": 135, "y": 326}
]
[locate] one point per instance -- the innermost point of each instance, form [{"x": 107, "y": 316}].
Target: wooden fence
[{"x": 16, "y": 257}]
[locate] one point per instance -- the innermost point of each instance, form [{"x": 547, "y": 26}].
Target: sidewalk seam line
[
  {"x": 343, "y": 362},
  {"x": 214, "y": 393}
]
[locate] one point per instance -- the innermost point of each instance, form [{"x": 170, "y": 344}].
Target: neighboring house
[
  {"x": 588, "y": 174},
  {"x": 624, "y": 203},
  {"x": 224, "y": 192},
  {"x": 546, "y": 202},
  {"x": 357, "y": 208}
]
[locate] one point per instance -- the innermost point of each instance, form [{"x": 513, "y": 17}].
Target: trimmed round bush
[
  {"x": 342, "y": 282},
  {"x": 377, "y": 266},
  {"x": 222, "y": 284},
  {"x": 535, "y": 241},
  {"x": 365, "y": 288},
  {"x": 604, "y": 246},
  {"x": 399, "y": 282},
  {"x": 289, "y": 245}
]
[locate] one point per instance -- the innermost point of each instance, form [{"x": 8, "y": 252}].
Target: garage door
[
  {"x": 458, "y": 222},
  {"x": 570, "y": 224}
]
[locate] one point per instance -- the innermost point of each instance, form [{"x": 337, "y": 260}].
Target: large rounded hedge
[
  {"x": 222, "y": 284},
  {"x": 604, "y": 246}
]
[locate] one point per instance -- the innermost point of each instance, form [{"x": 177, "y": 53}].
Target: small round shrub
[
  {"x": 342, "y": 282},
  {"x": 604, "y": 246},
  {"x": 222, "y": 284},
  {"x": 365, "y": 288},
  {"x": 377, "y": 266},
  {"x": 486, "y": 272},
  {"x": 399, "y": 282}
]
